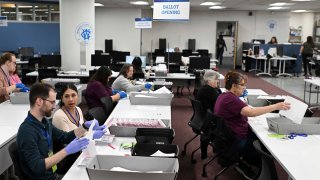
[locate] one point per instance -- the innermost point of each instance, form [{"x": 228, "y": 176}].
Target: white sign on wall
[
  {"x": 143, "y": 23},
  {"x": 3, "y": 21},
  {"x": 171, "y": 10},
  {"x": 84, "y": 33}
]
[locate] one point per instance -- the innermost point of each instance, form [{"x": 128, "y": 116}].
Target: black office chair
[
  {"x": 99, "y": 114},
  {"x": 224, "y": 146},
  {"x": 196, "y": 123},
  {"x": 108, "y": 105},
  {"x": 268, "y": 169},
  {"x": 13, "y": 151},
  {"x": 92, "y": 72},
  {"x": 98, "y": 52},
  {"x": 47, "y": 73}
]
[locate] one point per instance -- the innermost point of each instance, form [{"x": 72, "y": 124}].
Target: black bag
[
  {"x": 141, "y": 149},
  {"x": 155, "y": 135}
]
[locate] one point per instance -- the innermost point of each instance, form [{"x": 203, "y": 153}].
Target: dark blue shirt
[{"x": 34, "y": 141}]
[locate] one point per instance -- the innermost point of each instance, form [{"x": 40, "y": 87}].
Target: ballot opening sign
[
  {"x": 143, "y": 23},
  {"x": 171, "y": 10}
]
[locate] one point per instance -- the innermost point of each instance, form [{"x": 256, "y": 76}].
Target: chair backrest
[
  {"x": 268, "y": 170},
  {"x": 99, "y": 114},
  {"x": 13, "y": 151},
  {"x": 174, "y": 68},
  {"x": 138, "y": 75},
  {"x": 197, "y": 119},
  {"x": 47, "y": 73},
  {"x": 107, "y": 105},
  {"x": 224, "y": 143}
]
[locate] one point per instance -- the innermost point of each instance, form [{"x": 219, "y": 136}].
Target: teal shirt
[{"x": 34, "y": 146}]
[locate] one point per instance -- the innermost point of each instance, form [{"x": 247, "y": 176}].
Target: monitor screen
[
  {"x": 119, "y": 56},
  {"x": 280, "y": 50},
  {"x": 26, "y": 51},
  {"x": 129, "y": 60},
  {"x": 199, "y": 63},
  {"x": 51, "y": 60},
  {"x": 100, "y": 60},
  {"x": 256, "y": 50},
  {"x": 174, "y": 57}
]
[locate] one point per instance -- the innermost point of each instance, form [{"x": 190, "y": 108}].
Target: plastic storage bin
[
  {"x": 137, "y": 98},
  {"x": 19, "y": 98},
  {"x": 141, "y": 149}
]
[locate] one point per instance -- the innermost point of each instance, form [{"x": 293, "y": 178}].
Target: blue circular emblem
[
  {"x": 272, "y": 25},
  {"x": 84, "y": 33}
]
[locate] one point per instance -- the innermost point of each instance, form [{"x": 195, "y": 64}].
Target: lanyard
[
  {"x": 76, "y": 120},
  {"x": 44, "y": 132},
  {"x": 8, "y": 80}
]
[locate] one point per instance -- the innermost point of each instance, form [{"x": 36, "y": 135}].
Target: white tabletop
[
  {"x": 251, "y": 92},
  {"x": 7, "y": 133},
  {"x": 300, "y": 156},
  {"x": 313, "y": 81}
]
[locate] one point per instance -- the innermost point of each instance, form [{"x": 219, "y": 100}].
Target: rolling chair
[
  {"x": 224, "y": 146},
  {"x": 268, "y": 169},
  {"x": 196, "y": 123},
  {"x": 108, "y": 105},
  {"x": 13, "y": 151},
  {"x": 99, "y": 114}
]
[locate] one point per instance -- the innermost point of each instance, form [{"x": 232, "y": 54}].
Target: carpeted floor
[{"x": 181, "y": 114}]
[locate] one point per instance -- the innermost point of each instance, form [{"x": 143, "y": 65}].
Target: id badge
[{"x": 54, "y": 168}]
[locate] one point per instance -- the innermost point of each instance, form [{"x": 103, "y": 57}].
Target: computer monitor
[
  {"x": 187, "y": 52},
  {"x": 100, "y": 60},
  {"x": 199, "y": 63},
  {"x": 280, "y": 50},
  {"x": 256, "y": 50},
  {"x": 174, "y": 57},
  {"x": 119, "y": 56},
  {"x": 51, "y": 60},
  {"x": 203, "y": 52},
  {"x": 262, "y": 41},
  {"x": 129, "y": 60},
  {"x": 170, "y": 50}
]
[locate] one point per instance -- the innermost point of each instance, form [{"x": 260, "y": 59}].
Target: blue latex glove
[
  {"x": 147, "y": 85},
  {"x": 115, "y": 91},
  {"x": 245, "y": 93},
  {"x": 20, "y": 85},
  {"x": 76, "y": 145},
  {"x": 122, "y": 94},
  {"x": 99, "y": 133},
  {"x": 96, "y": 125},
  {"x": 25, "y": 89}
]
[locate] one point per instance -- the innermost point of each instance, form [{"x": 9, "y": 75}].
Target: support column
[{"x": 77, "y": 26}]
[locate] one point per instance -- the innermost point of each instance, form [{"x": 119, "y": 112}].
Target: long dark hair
[
  {"x": 102, "y": 75},
  {"x": 310, "y": 41},
  {"x": 64, "y": 89},
  {"x": 234, "y": 78},
  {"x": 124, "y": 70},
  {"x": 137, "y": 63}
]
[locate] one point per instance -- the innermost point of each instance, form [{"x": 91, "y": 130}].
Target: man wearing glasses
[
  {"x": 36, "y": 136},
  {"x": 8, "y": 64}
]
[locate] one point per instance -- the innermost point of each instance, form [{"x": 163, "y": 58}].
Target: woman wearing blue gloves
[
  {"x": 99, "y": 87},
  {"x": 123, "y": 80},
  {"x": 8, "y": 64},
  {"x": 69, "y": 117}
]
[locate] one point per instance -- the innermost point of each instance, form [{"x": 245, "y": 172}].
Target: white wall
[
  {"x": 306, "y": 20},
  {"x": 118, "y": 24},
  {"x": 201, "y": 26}
]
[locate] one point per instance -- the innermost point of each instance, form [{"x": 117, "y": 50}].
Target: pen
[{"x": 111, "y": 146}]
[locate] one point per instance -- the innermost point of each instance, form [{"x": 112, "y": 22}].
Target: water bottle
[{"x": 36, "y": 66}]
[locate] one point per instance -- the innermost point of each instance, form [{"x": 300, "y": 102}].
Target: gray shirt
[{"x": 124, "y": 84}]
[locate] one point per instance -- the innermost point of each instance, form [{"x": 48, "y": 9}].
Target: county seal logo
[{"x": 84, "y": 33}]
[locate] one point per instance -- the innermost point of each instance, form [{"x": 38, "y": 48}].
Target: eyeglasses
[
  {"x": 243, "y": 85},
  {"x": 52, "y": 102}
]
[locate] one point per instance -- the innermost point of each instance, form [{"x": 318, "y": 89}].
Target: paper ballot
[
  {"x": 90, "y": 151},
  {"x": 297, "y": 110}
]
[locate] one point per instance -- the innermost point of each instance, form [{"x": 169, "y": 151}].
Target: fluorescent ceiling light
[
  {"x": 141, "y": 3},
  {"x": 302, "y": 0},
  {"x": 278, "y": 4},
  {"x": 217, "y": 7},
  {"x": 98, "y": 4},
  {"x": 299, "y": 11},
  {"x": 209, "y": 3},
  {"x": 277, "y": 8}
]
